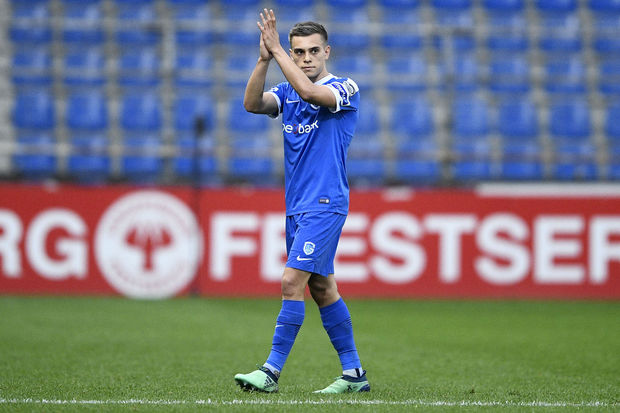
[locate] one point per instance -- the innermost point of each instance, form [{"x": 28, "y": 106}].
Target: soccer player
[{"x": 319, "y": 115}]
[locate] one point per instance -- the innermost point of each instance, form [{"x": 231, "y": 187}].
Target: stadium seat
[
  {"x": 400, "y": 12},
  {"x": 240, "y": 121},
  {"x": 32, "y": 56},
  {"x": 417, "y": 171},
  {"x": 82, "y": 13},
  {"x": 87, "y": 110},
  {"x": 570, "y": 119},
  {"x": 605, "y": 16},
  {"x": 505, "y": 16},
  {"x": 132, "y": 12},
  {"x": 293, "y": 11},
  {"x": 34, "y": 109},
  {"x": 195, "y": 160},
  {"x": 406, "y": 73},
  {"x": 241, "y": 14},
  {"x": 366, "y": 172},
  {"x": 509, "y": 73},
  {"x": 412, "y": 116},
  {"x": 350, "y": 12},
  {"x": 191, "y": 13},
  {"x": 522, "y": 170},
  {"x": 89, "y": 161},
  {"x": 471, "y": 117},
  {"x": 30, "y": 13},
  {"x": 472, "y": 170},
  {"x": 565, "y": 75},
  {"x": 138, "y": 57},
  {"x": 141, "y": 161},
  {"x": 35, "y": 157},
  {"x": 84, "y": 57},
  {"x": 453, "y": 14},
  {"x": 612, "y": 123},
  {"x": 192, "y": 107},
  {"x": 517, "y": 118},
  {"x": 141, "y": 111}
]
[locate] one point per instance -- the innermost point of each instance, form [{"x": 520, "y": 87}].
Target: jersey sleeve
[
  {"x": 344, "y": 90},
  {"x": 278, "y": 92}
]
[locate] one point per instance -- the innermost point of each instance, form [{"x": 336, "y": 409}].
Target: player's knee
[{"x": 292, "y": 287}]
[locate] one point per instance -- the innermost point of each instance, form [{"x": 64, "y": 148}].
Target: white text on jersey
[{"x": 299, "y": 129}]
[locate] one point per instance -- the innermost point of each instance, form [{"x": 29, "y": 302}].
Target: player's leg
[
  {"x": 288, "y": 323},
  {"x": 337, "y": 322}
]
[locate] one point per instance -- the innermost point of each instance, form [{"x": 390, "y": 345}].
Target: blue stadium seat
[
  {"x": 240, "y": 121},
  {"x": 131, "y": 12},
  {"x": 141, "y": 111},
  {"x": 364, "y": 171},
  {"x": 471, "y": 117},
  {"x": 241, "y": 13},
  {"x": 196, "y": 160},
  {"x": 194, "y": 58},
  {"x": 570, "y": 119},
  {"x": 34, "y": 109},
  {"x": 351, "y": 12},
  {"x": 402, "y": 42},
  {"x": 32, "y": 64},
  {"x": 293, "y": 11},
  {"x": 191, "y": 12},
  {"x": 31, "y": 13},
  {"x": 35, "y": 157},
  {"x": 509, "y": 73},
  {"x": 412, "y": 117},
  {"x": 453, "y": 14},
  {"x": 32, "y": 56},
  {"x": 517, "y": 118},
  {"x": 141, "y": 160},
  {"x": 406, "y": 73},
  {"x": 559, "y": 23},
  {"x": 84, "y": 58},
  {"x": 523, "y": 170},
  {"x": 257, "y": 170},
  {"x": 404, "y": 12},
  {"x": 418, "y": 171},
  {"x": 472, "y": 170},
  {"x": 89, "y": 161},
  {"x": 612, "y": 123},
  {"x": 82, "y": 13},
  {"x": 87, "y": 109},
  {"x": 605, "y": 16},
  {"x": 192, "y": 106},
  {"x": 139, "y": 57},
  {"x": 566, "y": 74},
  {"x": 505, "y": 16}
]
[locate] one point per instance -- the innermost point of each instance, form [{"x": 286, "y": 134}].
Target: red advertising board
[{"x": 496, "y": 241}]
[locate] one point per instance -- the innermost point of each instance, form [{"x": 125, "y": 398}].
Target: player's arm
[
  {"x": 254, "y": 99},
  {"x": 316, "y": 94}
]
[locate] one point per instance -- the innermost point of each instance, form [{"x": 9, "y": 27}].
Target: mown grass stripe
[{"x": 430, "y": 403}]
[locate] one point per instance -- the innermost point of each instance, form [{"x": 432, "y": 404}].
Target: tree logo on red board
[{"x": 148, "y": 245}]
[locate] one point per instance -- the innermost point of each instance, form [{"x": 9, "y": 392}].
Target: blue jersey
[{"x": 316, "y": 140}]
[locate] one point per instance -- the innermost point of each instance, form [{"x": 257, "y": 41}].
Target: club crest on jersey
[{"x": 309, "y": 248}]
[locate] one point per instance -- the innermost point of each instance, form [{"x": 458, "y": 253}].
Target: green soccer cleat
[
  {"x": 347, "y": 384},
  {"x": 262, "y": 380}
]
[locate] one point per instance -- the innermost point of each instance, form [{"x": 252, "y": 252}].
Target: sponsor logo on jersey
[{"x": 298, "y": 129}]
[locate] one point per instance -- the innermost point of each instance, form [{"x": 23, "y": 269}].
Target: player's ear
[{"x": 328, "y": 49}]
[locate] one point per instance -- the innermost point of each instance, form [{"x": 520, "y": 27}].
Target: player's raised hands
[{"x": 269, "y": 34}]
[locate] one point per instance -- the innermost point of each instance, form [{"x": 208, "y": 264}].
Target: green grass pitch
[{"x": 114, "y": 354}]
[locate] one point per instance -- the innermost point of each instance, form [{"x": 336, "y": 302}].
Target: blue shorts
[{"x": 311, "y": 241}]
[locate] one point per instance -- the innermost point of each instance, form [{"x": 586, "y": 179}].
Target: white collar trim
[{"x": 324, "y": 80}]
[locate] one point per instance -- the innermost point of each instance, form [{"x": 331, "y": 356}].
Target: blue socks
[
  {"x": 288, "y": 323},
  {"x": 337, "y": 322}
]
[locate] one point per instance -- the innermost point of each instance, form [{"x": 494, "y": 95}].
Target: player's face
[{"x": 309, "y": 54}]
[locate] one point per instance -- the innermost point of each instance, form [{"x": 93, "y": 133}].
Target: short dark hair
[{"x": 307, "y": 29}]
